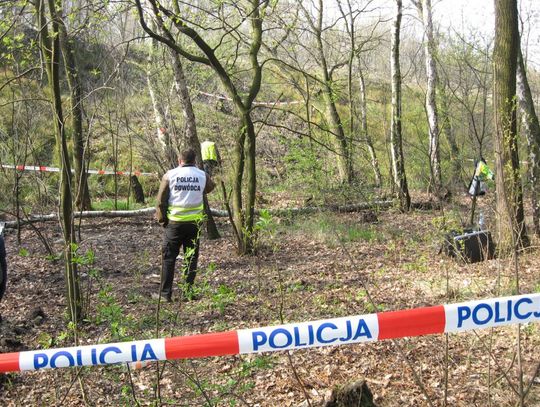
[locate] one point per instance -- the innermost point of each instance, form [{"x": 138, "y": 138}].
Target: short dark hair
[{"x": 188, "y": 156}]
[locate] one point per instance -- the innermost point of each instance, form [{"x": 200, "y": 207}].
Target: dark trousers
[
  {"x": 209, "y": 166},
  {"x": 185, "y": 235}
]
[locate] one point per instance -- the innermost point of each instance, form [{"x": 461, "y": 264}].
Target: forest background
[{"x": 311, "y": 104}]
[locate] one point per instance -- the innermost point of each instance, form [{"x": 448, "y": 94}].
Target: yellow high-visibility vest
[
  {"x": 208, "y": 151},
  {"x": 483, "y": 171}
]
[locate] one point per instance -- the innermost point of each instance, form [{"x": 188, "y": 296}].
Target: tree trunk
[
  {"x": 162, "y": 125},
  {"x": 365, "y": 132},
  {"x": 431, "y": 102},
  {"x": 251, "y": 180},
  {"x": 82, "y": 199},
  {"x": 237, "y": 209},
  {"x": 448, "y": 132},
  {"x": 531, "y": 129},
  {"x": 192, "y": 138},
  {"x": 510, "y": 220},
  {"x": 137, "y": 189},
  {"x": 398, "y": 164},
  {"x": 50, "y": 48},
  {"x": 332, "y": 115}
]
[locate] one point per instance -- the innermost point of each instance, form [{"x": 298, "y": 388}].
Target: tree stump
[
  {"x": 356, "y": 394},
  {"x": 138, "y": 192}
]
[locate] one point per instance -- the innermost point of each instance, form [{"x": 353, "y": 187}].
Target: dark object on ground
[
  {"x": 426, "y": 205},
  {"x": 138, "y": 192},
  {"x": 444, "y": 194},
  {"x": 355, "y": 394},
  {"x": 368, "y": 217},
  {"x": 11, "y": 343},
  {"x": 20, "y": 329},
  {"x": 36, "y": 316},
  {"x": 469, "y": 245}
]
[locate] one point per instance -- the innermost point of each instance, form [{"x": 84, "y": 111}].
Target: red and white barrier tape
[
  {"x": 338, "y": 331},
  {"x": 42, "y": 168}
]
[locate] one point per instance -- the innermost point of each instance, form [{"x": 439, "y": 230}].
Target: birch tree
[
  {"x": 160, "y": 115},
  {"x": 396, "y": 137},
  {"x": 424, "y": 10}
]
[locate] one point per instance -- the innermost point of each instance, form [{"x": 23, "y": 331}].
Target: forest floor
[{"x": 307, "y": 268}]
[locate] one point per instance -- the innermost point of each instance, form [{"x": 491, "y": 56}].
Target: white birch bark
[
  {"x": 424, "y": 10},
  {"x": 160, "y": 117},
  {"x": 398, "y": 166}
]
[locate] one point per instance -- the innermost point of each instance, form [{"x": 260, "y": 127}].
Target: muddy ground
[{"x": 307, "y": 268}]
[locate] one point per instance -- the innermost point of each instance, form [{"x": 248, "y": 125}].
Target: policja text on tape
[{"x": 336, "y": 331}]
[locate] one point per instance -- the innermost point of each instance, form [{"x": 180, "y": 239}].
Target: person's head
[{"x": 187, "y": 156}]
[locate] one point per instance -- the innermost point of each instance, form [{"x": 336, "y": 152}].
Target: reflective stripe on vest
[
  {"x": 181, "y": 214},
  {"x": 208, "y": 151}
]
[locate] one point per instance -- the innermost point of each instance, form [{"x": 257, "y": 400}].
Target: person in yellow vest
[
  {"x": 210, "y": 156},
  {"x": 180, "y": 211},
  {"x": 482, "y": 173}
]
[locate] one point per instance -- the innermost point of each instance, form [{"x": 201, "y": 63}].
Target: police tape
[
  {"x": 337, "y": 331},
  {"x": 42, "y": 168}
]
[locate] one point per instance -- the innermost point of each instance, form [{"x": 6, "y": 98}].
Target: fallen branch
[{"x": 215, "y": 212}]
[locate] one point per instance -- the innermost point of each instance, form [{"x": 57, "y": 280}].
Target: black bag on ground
[{"x": 469, "y": 245}]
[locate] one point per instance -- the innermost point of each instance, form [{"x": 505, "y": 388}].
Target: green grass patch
[
  {"x": 121, "y": 205},
  {"x": 330, "y": 229}
]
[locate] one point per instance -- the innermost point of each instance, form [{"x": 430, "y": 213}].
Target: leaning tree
[
  {"x": 209, "y": 40},
  {"x": 50, "y": 50}
]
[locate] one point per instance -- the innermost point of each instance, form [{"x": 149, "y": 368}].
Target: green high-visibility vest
[
  {"x": 208, "y": 151},
  {"x": 483, "y": 171}
]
